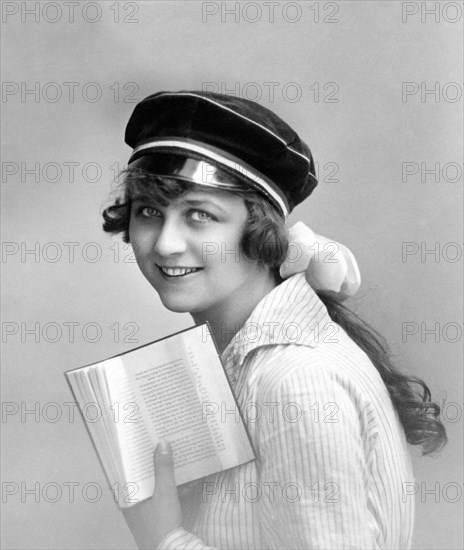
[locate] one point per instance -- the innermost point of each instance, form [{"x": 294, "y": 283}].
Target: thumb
[{"x": 165, "y": 482}]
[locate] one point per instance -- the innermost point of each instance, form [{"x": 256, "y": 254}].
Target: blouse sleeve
[
  {"x": 313, "y": 446},
  {"x": 314, "y": 452},
  {"x": 182, "y": 539}
]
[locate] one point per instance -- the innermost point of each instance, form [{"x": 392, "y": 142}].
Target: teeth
[{"x": 177, "y": 271}]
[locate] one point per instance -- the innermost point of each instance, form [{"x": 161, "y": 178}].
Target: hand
[{"x": 151, "y": 520}]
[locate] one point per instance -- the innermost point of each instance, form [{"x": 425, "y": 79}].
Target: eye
[
  {"x": 200, "y": 217},
  {"x": 148, "y": 212}
]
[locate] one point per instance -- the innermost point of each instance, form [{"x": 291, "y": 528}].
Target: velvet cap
[{"x": 212, "y": 139}]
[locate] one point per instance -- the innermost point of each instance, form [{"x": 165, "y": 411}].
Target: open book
[{"x": 173, "y": 389}]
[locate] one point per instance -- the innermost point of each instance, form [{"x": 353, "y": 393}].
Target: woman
[{"x": 209, "y": 184}]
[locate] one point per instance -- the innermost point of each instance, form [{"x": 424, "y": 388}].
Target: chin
[
  {"x": 183, "y": 307},
  {"x": 178, "y": 306}
]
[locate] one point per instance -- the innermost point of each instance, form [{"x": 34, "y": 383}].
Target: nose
[{"x": 170, "y": 240}]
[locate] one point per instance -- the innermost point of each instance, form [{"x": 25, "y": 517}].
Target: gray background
[{"x": 368, "y": 50}]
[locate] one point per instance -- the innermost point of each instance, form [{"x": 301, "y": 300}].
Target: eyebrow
[
  {"x": 191, "y": 202},
  {"x": 200, "y": 202},
  {"x": 142, "y": 198}
]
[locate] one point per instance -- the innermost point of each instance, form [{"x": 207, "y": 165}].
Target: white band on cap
[{"x": 213, "y": 155}]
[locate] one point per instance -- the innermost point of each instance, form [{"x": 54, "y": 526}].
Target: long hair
[{"x": 265, "y": 240}]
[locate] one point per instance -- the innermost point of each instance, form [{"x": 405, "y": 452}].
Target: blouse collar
[{"x": 291, "y": 313}]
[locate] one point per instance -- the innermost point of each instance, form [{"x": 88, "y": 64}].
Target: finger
[
  {"x": 165, "y": 482},
  {"x": 165, "y": 495}
]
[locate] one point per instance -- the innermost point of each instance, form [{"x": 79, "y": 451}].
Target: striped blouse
[{"x": 332, "y": 459}]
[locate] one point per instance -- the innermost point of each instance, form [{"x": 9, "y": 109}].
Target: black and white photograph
[{"x": 232, "y": 274}]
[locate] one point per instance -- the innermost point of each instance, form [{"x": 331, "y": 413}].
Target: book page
[
  {"x": 173, "y": 409},
  {"x": 102, "y": 439},
  {"x": 220, "y": 410},
  {"x": 134, "y": 444},
  {"x": 175, "y": 389},
  {"x": 117, "y": 429}
]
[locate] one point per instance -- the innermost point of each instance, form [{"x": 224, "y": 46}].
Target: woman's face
[{"x": 190, "y": 250}]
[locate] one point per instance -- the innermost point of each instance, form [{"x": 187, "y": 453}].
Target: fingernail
[{"x": 164, "y": 447}]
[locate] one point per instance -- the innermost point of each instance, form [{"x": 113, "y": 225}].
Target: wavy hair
[{"x": 265, "y": 240}]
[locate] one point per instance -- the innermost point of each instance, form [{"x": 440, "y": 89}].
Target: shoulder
[
  {"x": 334, "y": 359},
  {"x": 334, "y": 373}
]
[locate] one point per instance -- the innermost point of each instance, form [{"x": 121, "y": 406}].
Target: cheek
[
  {"x": 232, "y": 262},
  {"x": 132, "y": 230},
  {"x": 141, "y": 238}
]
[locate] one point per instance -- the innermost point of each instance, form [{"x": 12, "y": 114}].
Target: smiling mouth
[{"x": 178, "y": 271}]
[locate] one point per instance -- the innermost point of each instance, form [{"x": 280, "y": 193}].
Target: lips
[{"x": 173, "y": 272}]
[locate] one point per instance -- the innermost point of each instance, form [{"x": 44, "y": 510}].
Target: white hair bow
[{"x": 328, "y": 265}]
